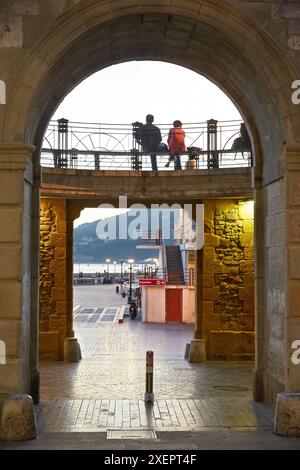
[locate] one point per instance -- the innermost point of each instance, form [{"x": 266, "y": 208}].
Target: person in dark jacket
[
  {"x": 150, "y": 139},
  {"x": 243, "y": 142}
]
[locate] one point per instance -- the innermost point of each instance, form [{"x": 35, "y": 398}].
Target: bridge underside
[{"x": 163, "y": 186}]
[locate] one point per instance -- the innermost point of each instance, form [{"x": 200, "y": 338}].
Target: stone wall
[
  {"x": 276, "y": 296},
  {"x": 53, "y": 304},
  {"x": 228, "y": 280},
  {"x": 15, "y": 245},
  {"x": 292, "y": 223}
]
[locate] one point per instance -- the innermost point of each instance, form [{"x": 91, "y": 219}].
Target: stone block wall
[
  {"x": 228, "y": 280},
  {"x": 53, "y": 305},
  {"x": 292, "y": 223},
  {"x": 276, "y": 296}
]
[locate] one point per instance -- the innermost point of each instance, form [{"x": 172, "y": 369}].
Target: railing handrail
[
  {"x": 125, "y": 125},
  {"x": 96, "y": 146}
]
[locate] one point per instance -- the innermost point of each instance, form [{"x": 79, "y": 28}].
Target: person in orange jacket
[{"x": 176, "y": 144}]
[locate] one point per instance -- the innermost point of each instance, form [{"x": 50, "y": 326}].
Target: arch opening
[
  {"x": 199, "y": 46},
  {"x": 225, "y": 52},
  {"x": 149, "y": 48},
  {"x": 105, "y": 114}
]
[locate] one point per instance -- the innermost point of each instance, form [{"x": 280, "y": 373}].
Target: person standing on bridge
[
  {"x": 176, "y": 144},
  {"x": 150, "y": 139}
]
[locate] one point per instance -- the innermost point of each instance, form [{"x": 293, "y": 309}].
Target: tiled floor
[
  {"x": 106, "y": 389},
  {"x": 90, "y": 317},
  {"x": 197, "y": 406},
  {"x": 96, "y": 415}
]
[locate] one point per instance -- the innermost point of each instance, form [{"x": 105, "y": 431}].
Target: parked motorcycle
[{"x": 133, "y": 310}]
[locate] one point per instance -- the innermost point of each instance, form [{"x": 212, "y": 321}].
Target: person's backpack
[
  {"x": 137, "y": 131},
  {"x": 237, "y": 144},
  {"x": 193, "y": 152}
]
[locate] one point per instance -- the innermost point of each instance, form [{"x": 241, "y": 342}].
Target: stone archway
[{"x": 236, "y": 48}]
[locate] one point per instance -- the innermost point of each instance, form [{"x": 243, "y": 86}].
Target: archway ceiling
[
  {"x": 218, "y": 44},
  {"x": 225, "y": 59}
]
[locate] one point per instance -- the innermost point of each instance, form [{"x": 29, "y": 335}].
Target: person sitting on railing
[
  {"x": 150, "y": 139},
  {"x": 176, "y": 144},
  {"x": 243, "y": 142}
]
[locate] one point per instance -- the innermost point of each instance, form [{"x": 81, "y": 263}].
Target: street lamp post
[
  {"x": 122, "y": 262},
  {"x": 130, "y": 262},
  {"x": 115, "y": 265},
  {"x": 107, "y": 265}
]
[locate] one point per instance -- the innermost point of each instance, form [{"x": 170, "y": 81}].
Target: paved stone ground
[
  {"x": 90, "y": 317},
  {"x": 208, "y": 414},
  {"x": 106, "y": 389},
  {"x": 210, "y": 404},
  {"x": 92, "y": 296},
  {"x": 207, "y": 440}
]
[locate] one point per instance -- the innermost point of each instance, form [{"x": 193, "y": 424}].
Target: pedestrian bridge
[
  {"x": 86, "y": 146},
  {"x": 83, "y": 160}
]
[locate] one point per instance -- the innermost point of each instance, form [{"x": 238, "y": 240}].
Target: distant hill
[{"x": 89, "y": 248}]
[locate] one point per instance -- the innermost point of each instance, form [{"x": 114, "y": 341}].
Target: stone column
[
  {"x": 53, "y": 278},
  {"x": 199, "y": 311},
  {"x": 197, "y": 348},
  {"x": 292, "y": 318},
  {"x": 287, "y": 416},
  {"x": 228, "y": 280},
  {"x": 16, "y": 180},
  {"x": 261, "y": 322},
  {"x": 277, "y": 228},
  {"x": 56, "y": 279},
  {"x": 72, "y": 214},
  {"x": 35, "y": 276},
  {"x": 271, "y": 286}
]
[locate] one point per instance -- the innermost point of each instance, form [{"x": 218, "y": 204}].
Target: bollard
[
  {"x": 187, "y": 350},
  {"x": 149, "y": 396},
  {"x": 117, "y": 289},
  {"x": 18, "y": 421},
  {"x": 72, "y": 351},
  {"x": 287, "y": 414}
]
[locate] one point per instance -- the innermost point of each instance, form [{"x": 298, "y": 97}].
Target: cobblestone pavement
[{"x": 106, "y": 389}]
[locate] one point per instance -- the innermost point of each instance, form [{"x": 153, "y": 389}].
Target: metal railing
[
  {"x": 148, "y": 272},
  {"x": 150, "y": 239},
  {"x": 84, "y": 146},
  {"x": 152, "y": 273}
]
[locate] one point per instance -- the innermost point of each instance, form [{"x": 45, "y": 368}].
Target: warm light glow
[
  {"x": 107, "y": 260},
  {"x": 247, "y": 209},
  {"x": 131, "y": 261}
]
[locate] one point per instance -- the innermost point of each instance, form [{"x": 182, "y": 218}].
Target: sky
[{"x": 125, "y": 93}]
